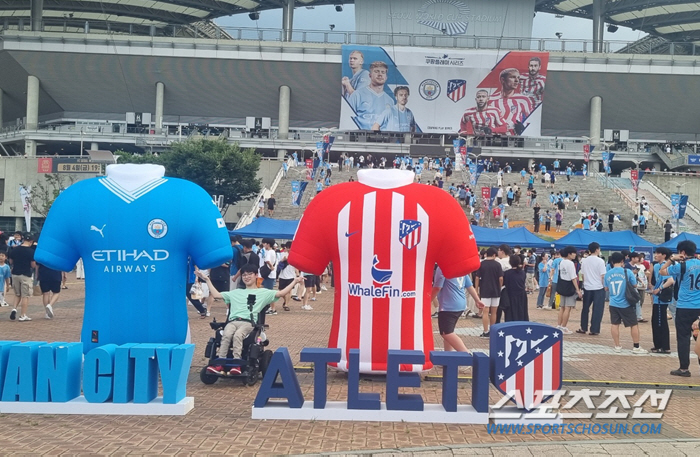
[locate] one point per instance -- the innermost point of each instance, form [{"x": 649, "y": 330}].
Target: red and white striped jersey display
[
  {"x": 384, "y": 235},
  {"x": 533, "y": 87},
  {"x": 512, "y": 109},
  {"x": 474, "y": 122}
]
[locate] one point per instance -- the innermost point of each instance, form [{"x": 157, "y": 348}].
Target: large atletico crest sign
[{"x": 526, "y": 360}]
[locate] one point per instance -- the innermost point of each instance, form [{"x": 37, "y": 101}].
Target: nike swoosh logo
[{"x": 350, "y": 234}]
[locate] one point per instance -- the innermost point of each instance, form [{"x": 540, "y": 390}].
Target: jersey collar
[
  {"x": 385, "y": 179},
  {"x": 131, "y": 195}
]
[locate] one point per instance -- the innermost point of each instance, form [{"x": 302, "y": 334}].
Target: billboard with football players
[{"x": 429, "y": 90}]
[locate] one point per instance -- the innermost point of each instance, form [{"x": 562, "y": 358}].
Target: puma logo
[{"x": 92, "y": 227}]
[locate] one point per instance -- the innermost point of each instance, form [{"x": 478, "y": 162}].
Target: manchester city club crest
[
  {"x": 157, "y": 228},
  {"x": 409, "y": 233},
  {"x": 456, "y": 89},
  {"x": 429, "y": 89},
  {"x": 526, "y": 360}
]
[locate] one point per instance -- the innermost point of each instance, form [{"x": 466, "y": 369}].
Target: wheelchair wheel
[
  {"x": 251, "y": 379},
  {"x": 206, "y": 377},
  {"x": 265, "y": 361}
]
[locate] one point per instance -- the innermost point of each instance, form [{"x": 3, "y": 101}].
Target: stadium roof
[{"x": 675, "y": 20}]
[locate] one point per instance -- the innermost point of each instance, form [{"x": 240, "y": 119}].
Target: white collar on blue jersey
[
  {"x": 131, "y": 176},
  {"x": 385, "y": 179}
]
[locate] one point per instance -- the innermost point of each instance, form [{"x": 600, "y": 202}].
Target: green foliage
[
  {"x": 44, "y": 192},
  {"x": 218, "y": 167}
]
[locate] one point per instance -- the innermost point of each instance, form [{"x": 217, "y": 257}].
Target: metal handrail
[
  {"x": 629, "y": 201},
  {"x": 365, "y": 38}
]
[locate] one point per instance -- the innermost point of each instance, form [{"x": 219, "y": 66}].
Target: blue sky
[{"x": 320, "y": 18}]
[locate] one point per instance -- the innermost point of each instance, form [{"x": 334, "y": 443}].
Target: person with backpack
[
  {"x": 662, "y": 294},
  {"x": 286, "y": 273},
  {"x": 686, "y": 273}
]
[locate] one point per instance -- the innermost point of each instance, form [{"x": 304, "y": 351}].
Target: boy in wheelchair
[{"x": 242, "y": 316}]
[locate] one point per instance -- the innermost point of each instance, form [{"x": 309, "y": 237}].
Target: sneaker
[
  {"x": 618, "y": 349},
  {"x": 639, "y": 351},
  {"x": 485, "y": 335},
  {"x": 295, "y": 298},
  {"x": 434, "y": 315},
  {"x": 312, "y": 298},
  {"x": 24, "y": 318},
  {"x": 217, "y": 369},
  {"x": 207, "y": 314},
  {"x": 306, "y": 307},
  {"x": 13, "y": 314},
  {"x": 565, "y": 331},
  {"x": 271, "y": 311},
  {"x": 4, "y": 304},
  {"x": 323, "y": 288},
  {"x": 49, "y": 311},
  {"x": 679, "y": 372},
  {"x": 235, "y": 370}
]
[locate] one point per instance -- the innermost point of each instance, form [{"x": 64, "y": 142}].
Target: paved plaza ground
[{"x": 221, "y": 423}]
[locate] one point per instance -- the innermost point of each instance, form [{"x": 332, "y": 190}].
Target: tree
[
  {"x": 44, "y": 192},
  {"x": 218, "y": 167}
]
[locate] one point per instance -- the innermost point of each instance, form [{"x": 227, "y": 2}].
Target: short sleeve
[
  {"x": 265, "y": 298},
  {"x": 468, "y": 282},
  {"x": 310, "y": 251},
  {"x": 674, "y": 270},
  {"x": 56, "y": 247},
  {"x": 454, "y": 258},
  {"x": 439, "y": 280},
  {"x": 209, "y": 242}
]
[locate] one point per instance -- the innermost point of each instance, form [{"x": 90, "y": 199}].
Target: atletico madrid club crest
[
  {"x": 456, "y": 89},
  {"x": 409, "y": 233},
  {"x": 526, "y": 360}
]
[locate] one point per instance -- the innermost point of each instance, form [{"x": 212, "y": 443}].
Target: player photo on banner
[{"x": 424, "y": 90}]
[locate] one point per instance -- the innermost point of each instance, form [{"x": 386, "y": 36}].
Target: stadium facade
[{"x": 108, "y": 75}]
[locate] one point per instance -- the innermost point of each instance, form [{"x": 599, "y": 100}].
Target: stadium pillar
[
  {"x": 37, "y": 12},
  {"x": 288, "y": 20},
  {"x": 2, "y": 95},
  {"x": 160, "y": 96},
  {"x": 283, "y": 123},
  {"x": 598, "y": 25},
  {"x": 594, "y": 165},
  {"x": 32, "y": 113},
  {"x": 595, "y": 120}
]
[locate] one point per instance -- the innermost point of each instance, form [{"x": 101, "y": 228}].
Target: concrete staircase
[{"x": 592, "y": 192}]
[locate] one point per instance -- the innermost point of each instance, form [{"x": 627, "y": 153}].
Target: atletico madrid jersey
[
  {"x": 134, "y": 245},
  {"x": 384, "y": 235}
]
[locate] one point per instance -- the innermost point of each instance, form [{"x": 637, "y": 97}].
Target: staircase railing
[
  {"x": 249, "y": 217},
  {"x": 691, "y": 210}
]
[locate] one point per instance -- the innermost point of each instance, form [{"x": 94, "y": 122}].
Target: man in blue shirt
[
  {"x": 685, "y": 272},
  {"x": 620, "y": 310},
  {"x": 554, "y": 277},
  {"x": 397, "y": 118},
  {"x": 543, "y": 281},
  {"x": 452, "y": 302},
  {"x": 370, "y": 101}
]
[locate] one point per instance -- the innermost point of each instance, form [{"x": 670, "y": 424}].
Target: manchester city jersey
[{"x": 135, "y": 246}]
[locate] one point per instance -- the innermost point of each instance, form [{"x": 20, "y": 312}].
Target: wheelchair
[{"x": 254, "y": 358}]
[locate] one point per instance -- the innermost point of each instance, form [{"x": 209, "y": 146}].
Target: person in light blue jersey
[
  {"x": 621, "y": 311},
  {"x": 397, "y": 118},
  {"x": 543, "y": 281},
  {"x": 370, "y": 101},
  {"x": 360, "y": 76},
  {"x": 449, "y": 297},
  {"x": 662, "y": 294},
  {"x": 134, "y": 239},
  {"x": 685, "y": 272},
  {"x": 554, "y": 277}
]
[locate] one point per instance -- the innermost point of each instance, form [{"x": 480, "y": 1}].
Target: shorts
[
  {"x": 558, "y": 223},
  {"x": 22, "y": 285},
  {"x": 491, "y": 302},
  {"x": 628, "y": 316},
  {"x": 567, "y": 301},
  {"x": 310, "y": 281},
  {"x": 447, "y": 320},
  {"x": 284, "y": 283},
  {"x": 222, "y": 285},
  {"x": 529, "y": 277},
  {"x": 50, "y": 286}
]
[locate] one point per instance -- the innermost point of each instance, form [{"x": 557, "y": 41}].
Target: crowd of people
[
  {"x": 498, "y": 291},
  {"x": 26, "y": 278}
]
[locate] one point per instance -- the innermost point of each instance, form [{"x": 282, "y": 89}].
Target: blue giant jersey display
[{"x": 135, "y": 246}]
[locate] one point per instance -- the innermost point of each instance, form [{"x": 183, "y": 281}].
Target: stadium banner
[
  {"x": 679, "y": 203},
  {"x": 472, "y": 92},
  {"x": 25, "y": 197},
  {"x": 298, "y": 188}
]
